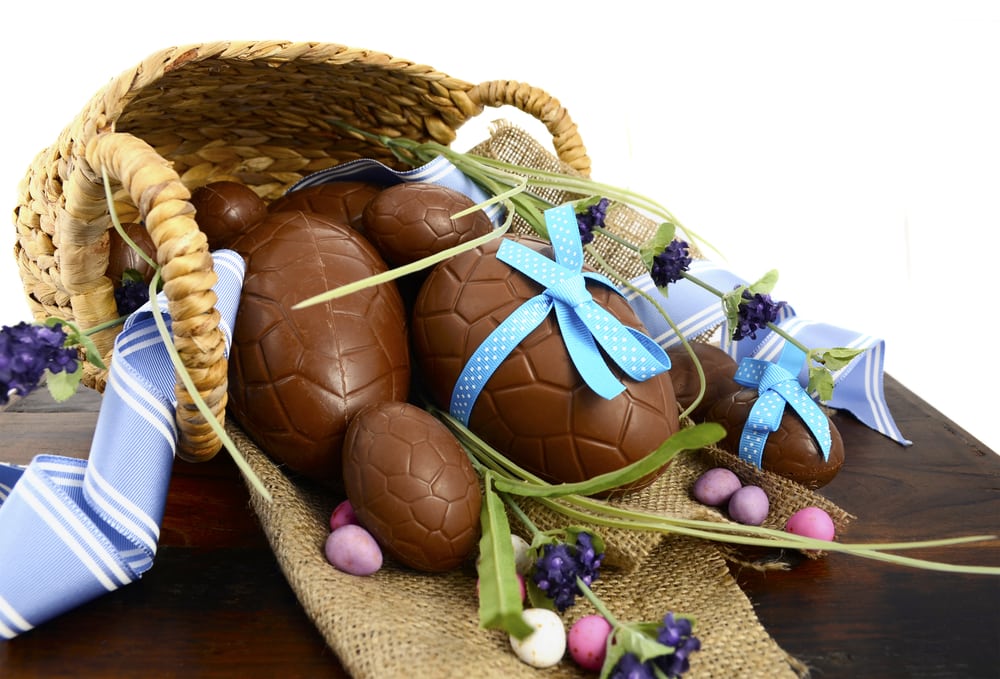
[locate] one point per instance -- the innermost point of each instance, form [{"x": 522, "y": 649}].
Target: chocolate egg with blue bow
[
  {"x": 535, "y": 408},
  {"x": 791, "y": 451}
]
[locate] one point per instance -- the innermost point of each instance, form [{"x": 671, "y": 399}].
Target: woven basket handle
[
  {"x": 186, "y": 268},
  {"x": 541, "y": 105}
]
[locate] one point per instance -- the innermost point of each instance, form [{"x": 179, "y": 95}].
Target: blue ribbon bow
[
  {"x": 778, "y": 384},
  {"x": 586, "y": 326}
]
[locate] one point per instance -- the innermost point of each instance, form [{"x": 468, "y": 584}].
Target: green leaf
[
  {"x": 731, "y": 305},
  {"x": 820, "y": 382},
  {"x": 613, "y": 653},
  {"x": 690, "y": 438},
  {"x": 838, "y": 357},
  {"x": 537, "y": 597},
  {"x": 766, "y": 283},
  {"x": 132, "y": 276},
  {"x": 500, "y": 604},
  {"x": 90, "y": 349},
  {"x": 640, "y": 638},
  {"x": 657, "y": 243},
  {"x": 63, "y": 384}
]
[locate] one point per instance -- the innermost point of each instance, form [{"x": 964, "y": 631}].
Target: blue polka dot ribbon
[
  {"x": 777, "y": 385},
  {"x": 586, "y": 327}
]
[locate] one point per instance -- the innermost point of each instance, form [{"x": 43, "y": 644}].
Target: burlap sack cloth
[{"x": 400, "y": 622}]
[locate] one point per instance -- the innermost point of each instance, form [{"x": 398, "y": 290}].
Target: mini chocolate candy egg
[
  {"x": 225, "y": 209},
  {"x": 343, "y": 202},
  {"x": 719, "y": 368},
  {"x": 298, "y": 376},
  {"x": 412, "y": 485},
  {"x": 122, "y": 257},
  {"x": 791, "y": 451},
  {"x": 535, "y": 408},
  {"x": 410, "y": 221}
]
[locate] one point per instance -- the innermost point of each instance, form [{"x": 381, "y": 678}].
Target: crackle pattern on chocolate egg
[
  {"x": 791, "y": 451},
  {"x": 226, "y": 209},
  {"x": 536, "y": 409},
  {"x": 297, "y": 376},
  {"x": 412, "y": 486},
  {"x": 410, "y": 221},
  {"x": 342, "y": 202},
  {"x": 718, "y": 367}
]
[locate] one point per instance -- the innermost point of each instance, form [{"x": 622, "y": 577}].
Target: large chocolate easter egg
[
  {"x": 536, "y": 408},
  {"x": 298, "y": 376}
]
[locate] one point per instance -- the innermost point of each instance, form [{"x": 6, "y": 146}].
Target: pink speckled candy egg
[
  {"x": 811, "y": 522},
  {"x": 588, "y": 642}
]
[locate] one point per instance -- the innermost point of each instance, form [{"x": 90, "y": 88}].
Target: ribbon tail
[
  {"x": 72, "y": 530},
  {"x": 586, "y": 356},
  {"x": 491, "y": 353},
  {"x": 763, "y": 418}
]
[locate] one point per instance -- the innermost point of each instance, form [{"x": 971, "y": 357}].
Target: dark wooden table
[{"x": 216, "y": 605}]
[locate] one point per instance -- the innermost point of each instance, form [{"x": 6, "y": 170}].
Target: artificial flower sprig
[
  {"x": 562, "y": 565},
  {"x": 31, "y": 353}
]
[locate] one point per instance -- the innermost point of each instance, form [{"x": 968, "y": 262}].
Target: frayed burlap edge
[{"x": 399, "y": 622}]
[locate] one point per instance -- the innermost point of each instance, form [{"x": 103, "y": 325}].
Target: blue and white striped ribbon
[
  {"x": 439, "y": 171},
  {"x": 72, "y": 530},
  {"x": 583, "y": 323},
  {"x": 858, "y": 387},
  {"x": 777, "y": 384}
]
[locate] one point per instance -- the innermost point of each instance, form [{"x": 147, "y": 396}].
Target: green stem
[
  {"x": 596, "y": 602},
  {"x": 521, "y": 516},
  {"x": 104, "y": 326},
  {"x": 618, "y": 239},
  {"x": 702, "y": 381}
]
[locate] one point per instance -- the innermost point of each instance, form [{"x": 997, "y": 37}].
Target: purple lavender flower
[
  {"x": 131, "y": 295},
  {"x": 673, "y": 632},
  {"x": 560, "y": 564},
  {"x": 630, "y": 667},
  {"x": 755, "y": 312},
  {"x": 26, "y": 352},
  {"x": 677, "y": 634},
  {"x": 670, "y": 264},
  {"x": 591, "y": 219}
]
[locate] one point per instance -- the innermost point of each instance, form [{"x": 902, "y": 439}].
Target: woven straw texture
[{"x": 261, "y": 113}]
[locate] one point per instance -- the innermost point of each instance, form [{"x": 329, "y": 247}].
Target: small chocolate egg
[
  {"x": 791, "y": 451},
  {"x": 297, "y": 376},
  {"x": 412, "y": 486},
  {"x": 410, "y": 221},
  {"x": 343, "y": 202},
  {"x": 719, "y": 368},
  {"x": 225, "y": 209},
  {"x": 122, "y": 257}
]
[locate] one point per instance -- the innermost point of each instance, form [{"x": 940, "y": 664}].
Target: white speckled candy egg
[{"x": 545, "y": 646}]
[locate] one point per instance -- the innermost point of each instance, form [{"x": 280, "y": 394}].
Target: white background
[{"x": 853, "y": 146}]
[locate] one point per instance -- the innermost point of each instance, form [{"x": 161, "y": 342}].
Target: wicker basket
[{"x": 255, "y": 112}]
